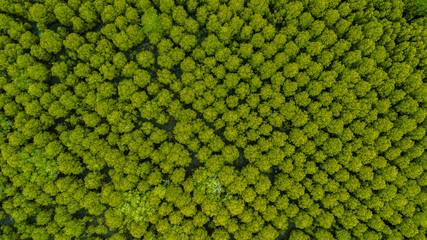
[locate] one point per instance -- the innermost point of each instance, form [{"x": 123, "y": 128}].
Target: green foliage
[
  {"x": 173, "y": 119},
  {"x": 137, "y": 206},
  {"x": 6, "y": 125},
  {"x": 416, "y": 7},
  {"x": 151, "y": 22},
  {"x": 43, "y": 164},
  {"x": 422, "y": 7}
]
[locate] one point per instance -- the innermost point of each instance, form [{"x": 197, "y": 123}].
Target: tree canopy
[{"x": 213, "y": 119}]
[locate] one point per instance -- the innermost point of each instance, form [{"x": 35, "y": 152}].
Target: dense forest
[{"x": 213, "y": 119}]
